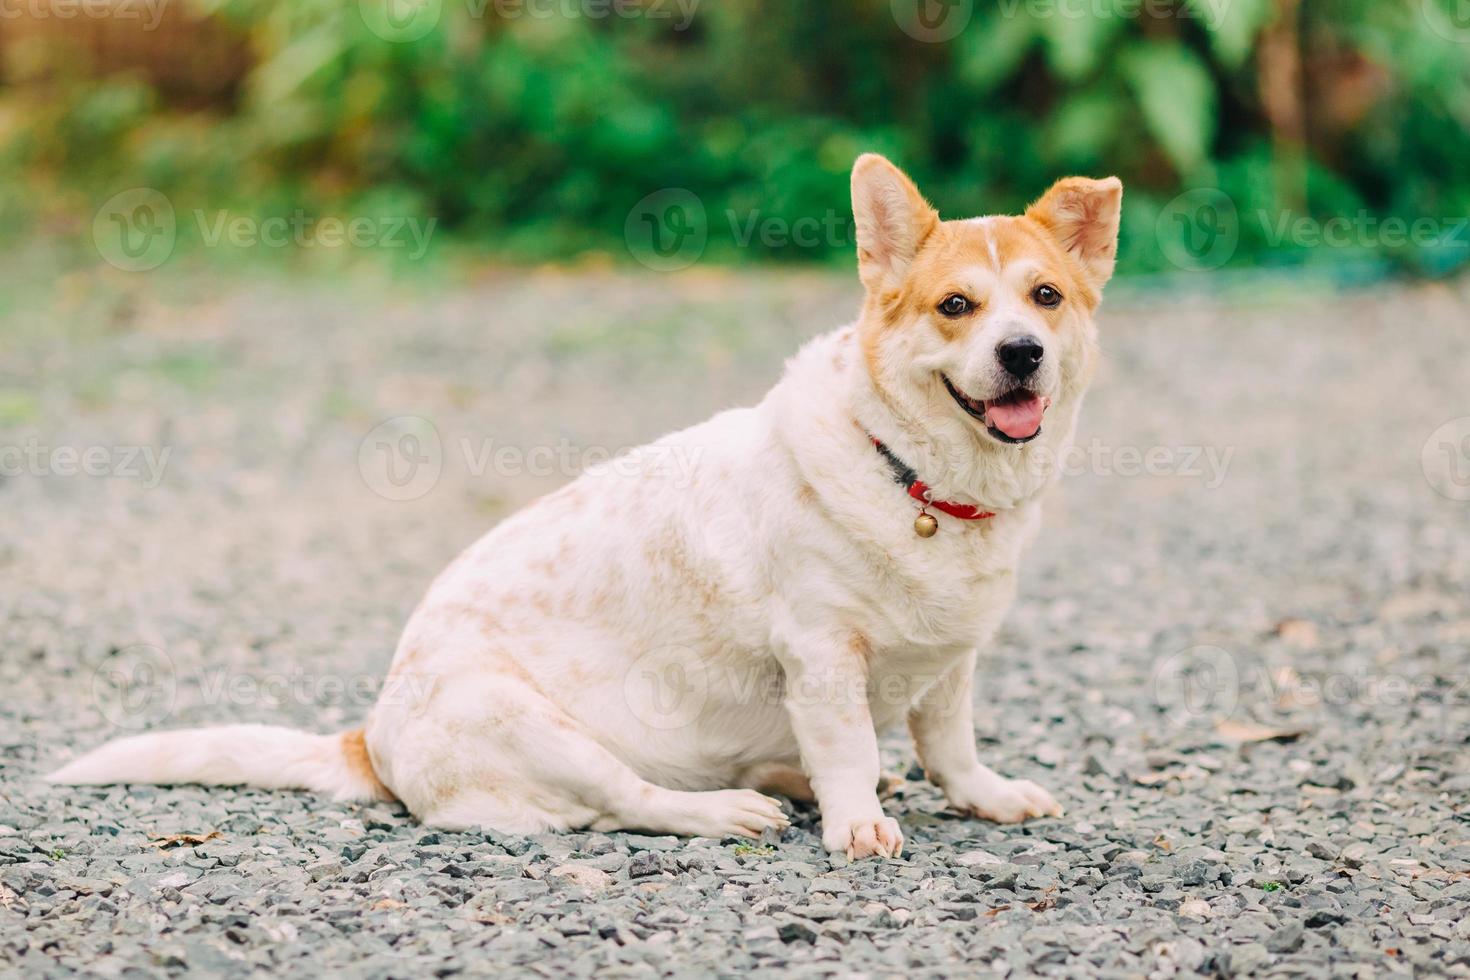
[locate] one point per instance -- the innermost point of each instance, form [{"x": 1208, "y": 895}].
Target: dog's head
[{"x": 982, "y": 330}]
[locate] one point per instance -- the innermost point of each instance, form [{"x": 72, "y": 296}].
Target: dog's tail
[{"x": 235, "y": 755}]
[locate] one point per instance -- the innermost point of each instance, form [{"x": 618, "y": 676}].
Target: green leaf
[
  {"x": 1177, "y": 96},
  {"x": 1083, "y": 126},
  {"x": 1075, "y": 42},
  {"x": 1232, "y": 25},
  {"x": 992, "y": 50}
]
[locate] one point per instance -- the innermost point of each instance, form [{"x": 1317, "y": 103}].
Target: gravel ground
[{"x": 1241, "y": 657}]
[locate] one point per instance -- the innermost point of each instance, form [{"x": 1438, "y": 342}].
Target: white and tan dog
[{"x": 645, "y": 651}]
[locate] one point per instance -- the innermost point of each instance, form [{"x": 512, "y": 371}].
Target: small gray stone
[
  {"x": 796, "y": 932},
  {"x": 645, "y": 864},
  {"x": 1287, "y": 939}
]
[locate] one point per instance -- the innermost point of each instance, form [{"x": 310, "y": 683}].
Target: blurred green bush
[{"x": 535, "y": 137}]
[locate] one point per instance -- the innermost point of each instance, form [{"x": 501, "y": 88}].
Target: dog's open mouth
[{"x": 1014, "y": 417}]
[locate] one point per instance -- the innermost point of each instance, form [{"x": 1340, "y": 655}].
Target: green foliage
[
  {"x": 1176, "y": 97},
  {"x": 536, "y": 136}
]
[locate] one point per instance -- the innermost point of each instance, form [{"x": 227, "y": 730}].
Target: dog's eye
[
  {"x": 955, "y": 305},
  {"x": 1046, "y": 295}
]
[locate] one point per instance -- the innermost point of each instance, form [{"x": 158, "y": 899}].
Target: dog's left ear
[{"x": 1083, "y": 215}]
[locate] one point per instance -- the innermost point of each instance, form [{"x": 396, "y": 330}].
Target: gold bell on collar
[{"x": 925, "y": 526}]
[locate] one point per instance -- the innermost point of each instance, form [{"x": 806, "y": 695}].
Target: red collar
[{"x": 919, "y": 490}]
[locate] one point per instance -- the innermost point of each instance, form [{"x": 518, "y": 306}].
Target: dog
[{"x": 648, "y": 651}]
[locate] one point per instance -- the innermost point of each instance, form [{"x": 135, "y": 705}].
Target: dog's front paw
[
  {"x": 735, "y": 813},
  {"x": 1003, "y": 800},
  {"x": 865, "y": 837}
]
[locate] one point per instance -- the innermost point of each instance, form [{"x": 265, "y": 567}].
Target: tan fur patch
[
  {"x": 672, "y": 554},
  {"x": 354, "y": 750},
  {"x": 774, "y": 777},
  {"x": 401, "y": 664},
  {"x": 918, "y": 742}
]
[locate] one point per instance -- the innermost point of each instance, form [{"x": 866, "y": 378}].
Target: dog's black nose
[{"x": 1020, "y": 355}]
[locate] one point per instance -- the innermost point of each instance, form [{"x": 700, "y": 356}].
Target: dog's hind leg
[
  {"x": 789, "y": 781},
  {"x": 497, "y": 753},
  {"x": 778, "y": 777}
]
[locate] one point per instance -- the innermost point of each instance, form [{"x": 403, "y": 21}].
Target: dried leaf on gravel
[
  {"x": 1301, "y": 633},
  {"x": 191, "y": 840},
  {"x": 1249, "y": 731},
  {"x": 1291, "y": 693}
]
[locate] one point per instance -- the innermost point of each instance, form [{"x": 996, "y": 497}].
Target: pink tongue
[{"x": 1018, "y": 418}]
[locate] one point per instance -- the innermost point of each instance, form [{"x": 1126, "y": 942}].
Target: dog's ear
[
  {"x": 893, "y": 219},
  {"x": 1083, "y": 215}
]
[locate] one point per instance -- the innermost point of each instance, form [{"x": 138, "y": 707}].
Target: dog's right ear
[{"x": 893, "y": 220}]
